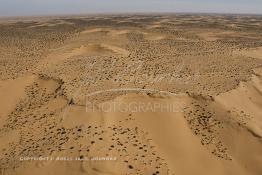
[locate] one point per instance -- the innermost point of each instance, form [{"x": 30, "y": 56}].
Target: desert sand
[{"x": 131, "y": 94}]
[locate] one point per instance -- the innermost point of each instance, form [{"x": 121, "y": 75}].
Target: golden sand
[{"x": 146, "y": 95}]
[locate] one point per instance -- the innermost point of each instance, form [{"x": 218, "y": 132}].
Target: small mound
[
  {"x": 91, "y": 48},
  {"x": 152, "y": 37},
  {"x": 92, "y": 30},
  {"x": 99, "y": 49},
  {"x": 208, "y": 36}
]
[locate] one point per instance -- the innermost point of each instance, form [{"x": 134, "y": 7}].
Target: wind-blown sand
[{"x": 131, "y": 94}]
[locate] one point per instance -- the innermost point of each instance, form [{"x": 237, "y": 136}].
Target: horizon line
[{"x": 125, "y": 13}]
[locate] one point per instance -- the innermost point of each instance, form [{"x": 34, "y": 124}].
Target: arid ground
[{"x": 131, "y": 94}]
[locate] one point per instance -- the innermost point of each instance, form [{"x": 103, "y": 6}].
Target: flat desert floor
[{"x": 131, "y": 94}]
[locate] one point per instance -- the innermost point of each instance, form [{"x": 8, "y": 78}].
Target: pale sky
[{"x": 59, "y": 7}]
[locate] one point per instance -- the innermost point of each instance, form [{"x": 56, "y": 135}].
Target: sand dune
[
  {"x": 131, "y": 94},
  {"x": 255, "y": 53},
  {"x": 180, "y": 148},
  {"x": 11, "y": 92},
  {"x": 109, "y": 31},
  {"x": 99, "y": 49}
]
